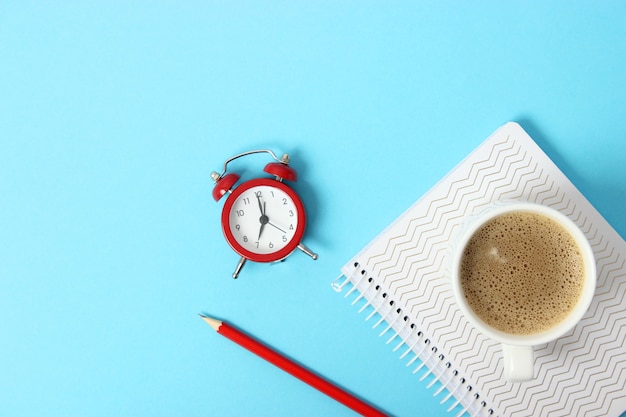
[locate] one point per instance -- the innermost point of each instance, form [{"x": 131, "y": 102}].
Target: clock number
[
  {"x": 237, "y": 227},
  {"x": 284, "y": 238},
  {"x": 291, "y": 227},
  {"x": 271, "y": 245},
  {"x": 240, "y": 213},
  {"x": 284, "y": 201},
  {"x": 259, "y": 194},
  {"x": 245, "y": 238},
  {"x": 290, "y": 213},
  {"x": 246, "y": 201}
]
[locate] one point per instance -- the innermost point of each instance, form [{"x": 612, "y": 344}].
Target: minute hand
[
  {"x": 261, "y": 206},
  {"x": 263, "y": 219}
]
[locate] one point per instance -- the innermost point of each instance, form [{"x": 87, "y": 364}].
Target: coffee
[{"x": 522, "y": 273}]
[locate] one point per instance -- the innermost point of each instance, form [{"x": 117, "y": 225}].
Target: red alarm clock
[{"x": 263, "y": 219}]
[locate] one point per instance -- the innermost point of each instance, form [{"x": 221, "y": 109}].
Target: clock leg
[
  {"x": 240, "y": 265},
  {"x": 307, "y": 251}
]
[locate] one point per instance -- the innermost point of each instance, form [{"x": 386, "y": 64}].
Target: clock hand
[
  {"x": 261, "y": 207},
  {"x": 263, "y": 219},
  {"x": 273, "y": 225}
]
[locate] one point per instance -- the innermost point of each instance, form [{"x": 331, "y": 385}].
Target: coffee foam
[{"x": 522, "y": 273}]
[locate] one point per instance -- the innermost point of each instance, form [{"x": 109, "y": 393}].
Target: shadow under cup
[{"x": 506, "y": 285}]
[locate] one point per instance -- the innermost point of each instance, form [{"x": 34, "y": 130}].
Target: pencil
[{"x": 291, "y": 367}]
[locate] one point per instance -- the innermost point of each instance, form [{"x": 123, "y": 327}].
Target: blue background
[{"x": 113, "y": 114}]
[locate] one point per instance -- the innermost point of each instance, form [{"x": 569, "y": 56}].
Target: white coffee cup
[{"x": 517, "y": 349}]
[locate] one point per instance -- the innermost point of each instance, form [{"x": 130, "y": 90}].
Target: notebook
[{"x": 399, "y": 280}]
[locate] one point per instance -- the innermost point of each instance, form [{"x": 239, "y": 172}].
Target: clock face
[{"x": 263, "y": 220}]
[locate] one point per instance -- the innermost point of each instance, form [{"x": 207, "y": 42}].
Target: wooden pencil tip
[{"x": 214, "y": 323}]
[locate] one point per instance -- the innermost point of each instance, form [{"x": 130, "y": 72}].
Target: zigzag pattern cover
[{"x": 402, "y": 275}]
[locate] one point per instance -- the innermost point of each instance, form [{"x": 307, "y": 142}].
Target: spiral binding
[{"x": 415, "y": 341}]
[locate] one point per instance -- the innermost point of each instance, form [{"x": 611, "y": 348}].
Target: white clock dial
[{"x": 263, "y": 219}]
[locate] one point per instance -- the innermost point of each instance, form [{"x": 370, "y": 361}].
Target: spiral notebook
[{"x": 399, "y": 281}]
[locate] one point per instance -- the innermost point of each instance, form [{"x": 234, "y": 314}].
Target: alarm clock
[{"x": 263, "y": 219}]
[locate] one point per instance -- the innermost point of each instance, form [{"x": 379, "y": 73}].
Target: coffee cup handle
[{"x": 518, "y": 363}]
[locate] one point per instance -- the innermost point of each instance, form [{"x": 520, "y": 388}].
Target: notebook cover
[{"x": 402, "y": 273}]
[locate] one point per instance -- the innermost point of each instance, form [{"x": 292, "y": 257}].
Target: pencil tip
[{"x": 214, "y": 323}]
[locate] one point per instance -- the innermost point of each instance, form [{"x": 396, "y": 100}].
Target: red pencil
[{"x": 291, "y": 367}]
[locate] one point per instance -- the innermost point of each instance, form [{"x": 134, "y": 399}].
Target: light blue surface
[{"x": 112, "y": 116}]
